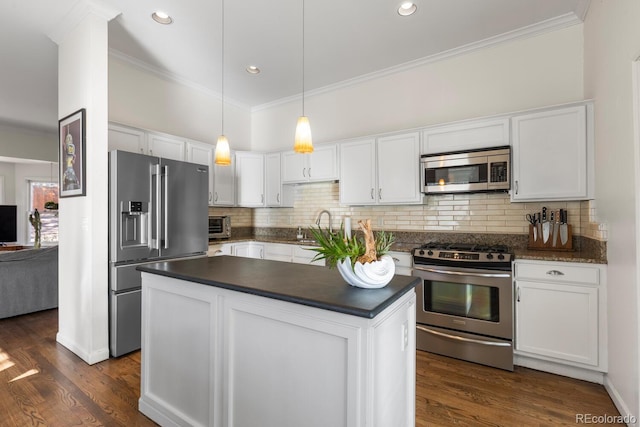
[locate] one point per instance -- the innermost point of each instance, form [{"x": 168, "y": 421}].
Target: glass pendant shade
[
  {"x": 303, "y": 142},
  {"x": 223, "y": 154}
]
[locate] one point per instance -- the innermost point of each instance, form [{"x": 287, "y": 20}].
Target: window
[{"x": 41, "y": 193}]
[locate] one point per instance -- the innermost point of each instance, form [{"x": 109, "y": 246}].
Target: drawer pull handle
[
  {"x": 555, "y": 273},
  {"x": 396, "y": 260}
]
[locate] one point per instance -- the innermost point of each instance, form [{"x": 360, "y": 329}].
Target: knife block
[{"x": 548, "y": 246}]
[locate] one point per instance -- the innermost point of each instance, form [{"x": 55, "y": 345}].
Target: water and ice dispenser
[{"x": 134, "y": 224}]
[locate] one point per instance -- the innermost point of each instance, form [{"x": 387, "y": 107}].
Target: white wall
[
  {"x": 28, "y": 143},
  {"x": 8, "y": 171},
  {"x": 612, "y": 42},
  {"x": 83, "y": 258},
  {"x": 521, "y": 74},
  {"x": 141, "y": 99}
]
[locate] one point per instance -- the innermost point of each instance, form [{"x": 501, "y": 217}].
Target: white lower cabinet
[
  {"x": 403, "y": 261},
  {"x": 561, "y": 313},
  {"x": 227, "y": 358},
  {"x": 248, "y": 250}
]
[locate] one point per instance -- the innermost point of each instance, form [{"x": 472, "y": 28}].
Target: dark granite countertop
[{"x": 308, "y": 285}]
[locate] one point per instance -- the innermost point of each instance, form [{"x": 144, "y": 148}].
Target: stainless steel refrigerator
[{"x": 158, "y": 210}]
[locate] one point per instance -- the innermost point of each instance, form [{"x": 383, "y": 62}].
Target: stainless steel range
[{"x": 465, "y": 303}]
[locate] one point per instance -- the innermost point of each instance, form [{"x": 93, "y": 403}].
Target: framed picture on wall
[{"x": 71, "y": 145}]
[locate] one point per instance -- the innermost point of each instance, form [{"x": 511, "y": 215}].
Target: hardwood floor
[{"x": 44, "y": 384}]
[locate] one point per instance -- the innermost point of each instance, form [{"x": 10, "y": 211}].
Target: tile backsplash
[{"x": 490, "y": 213}]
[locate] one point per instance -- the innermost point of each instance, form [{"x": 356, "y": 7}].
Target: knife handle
[{"x": 544, "y": 214}]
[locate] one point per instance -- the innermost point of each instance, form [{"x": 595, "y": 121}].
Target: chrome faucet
[{"x": 320, "y": 216}]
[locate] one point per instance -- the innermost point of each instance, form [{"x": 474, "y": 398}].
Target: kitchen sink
[{"x": 307, "y": 241}]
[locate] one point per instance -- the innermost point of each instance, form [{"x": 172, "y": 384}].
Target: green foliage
[{"x": 334, "y": 246}]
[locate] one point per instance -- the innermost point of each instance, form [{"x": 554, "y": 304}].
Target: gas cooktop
[{"x": 461, "y": 254}]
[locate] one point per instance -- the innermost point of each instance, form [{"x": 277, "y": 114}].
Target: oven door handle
[
  {"x": 465, "y": 273},
  {"x": 454, "y": 337}
]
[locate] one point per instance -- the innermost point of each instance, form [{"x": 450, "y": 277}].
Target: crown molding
[
  {"x": 59, "y": 30},
  {"x": 553, "y": 24},
  {"x": 171, "y": 77}
]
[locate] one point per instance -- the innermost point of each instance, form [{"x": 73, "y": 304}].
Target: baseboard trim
[
  {"x": 619, "y": 402},
  {"x": 89, "y": 357},
  {"x": 560, "y": 369}
]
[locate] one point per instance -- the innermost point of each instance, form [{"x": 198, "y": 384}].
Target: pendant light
[
  {"x": 222, "y": 155},
  {"x": 303, "y": 142}
]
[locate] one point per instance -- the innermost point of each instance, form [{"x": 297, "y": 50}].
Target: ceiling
[{"x": 344, "y": 40}]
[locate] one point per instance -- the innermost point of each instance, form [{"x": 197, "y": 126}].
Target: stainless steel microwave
[
  {"x": 219, "y": 227},
  {"x": 466, "y": 172}
]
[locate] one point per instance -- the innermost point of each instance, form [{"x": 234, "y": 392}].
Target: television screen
[{"x": 8, "y": 223}]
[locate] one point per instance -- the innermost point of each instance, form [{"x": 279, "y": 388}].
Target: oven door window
[
  {"x": 467, "y": 174},
  {"x": 463, "y": 300},
  {"x": 216, "y": 225}
]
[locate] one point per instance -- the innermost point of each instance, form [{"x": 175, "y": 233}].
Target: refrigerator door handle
[
  {"x": 166, "y": 206},
  {"x": 155, "y": 189}
]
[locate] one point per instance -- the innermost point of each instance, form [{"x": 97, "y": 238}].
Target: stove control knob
[
  {"x": 489, "y": 256},
  {"x": 501, "y": 256},
  {"x": 421, "y": 252},
  {"x": 430, "y": 253}
]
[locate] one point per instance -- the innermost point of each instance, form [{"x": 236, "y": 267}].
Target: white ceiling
[{"x": 344, "y": 40}]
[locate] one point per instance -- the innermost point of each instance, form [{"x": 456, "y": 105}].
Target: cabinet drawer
[
  {"x": 402, "y": 259},
  {"x": 558, "y": 272}
]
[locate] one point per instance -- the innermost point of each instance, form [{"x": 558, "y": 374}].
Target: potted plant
[{"x": 362, "y": 261}]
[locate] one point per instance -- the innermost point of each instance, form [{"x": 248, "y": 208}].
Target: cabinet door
[
  {"x": 557, "y": 321},
  {"x": 358, "y": 172},
  {"x": 304, "y": 255},
  {"x": 202, "y": 154},
  {"x": 399, "y": 169},
  {"x": 468, "y": 135},
  {"x": 127, "y": 139},
  {"x": 248, "y": 250},
  {"x": 550, "y": 155},
  {"x": 323, "y": 163},
  {"x": 250, "y": 179},
  {"x": 272, "y": 181},
  {"x": 294, "y": 167},
  {"x": 166, "y": 147},
  {"x": 278, "y": 252},
  {"x": 224, "y": 187}
]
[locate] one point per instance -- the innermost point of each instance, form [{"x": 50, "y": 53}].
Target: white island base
[{"x": 218, "y": 357}]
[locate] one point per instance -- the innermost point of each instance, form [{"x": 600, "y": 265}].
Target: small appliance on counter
[
  {"x": 549, "y": 230},
  {"x": 219, "y": 227},
  {"x": 157, "y": 212}
]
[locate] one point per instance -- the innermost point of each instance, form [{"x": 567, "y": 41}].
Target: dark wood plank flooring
[{"x": 44, "y": 384}]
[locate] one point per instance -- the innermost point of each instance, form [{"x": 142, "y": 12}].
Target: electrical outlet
[
  {"x": 380, "y": 221},
  {"x": 290, "y": 219}
]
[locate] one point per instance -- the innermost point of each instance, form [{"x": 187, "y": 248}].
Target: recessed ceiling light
[
  {"x": 252, "y": 69},
  {"x": 161, "y": 17},
  {"x": 407, "y": 8}
]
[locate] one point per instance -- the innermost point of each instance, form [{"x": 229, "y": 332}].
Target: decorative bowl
[{"x": 371, "y": 275}]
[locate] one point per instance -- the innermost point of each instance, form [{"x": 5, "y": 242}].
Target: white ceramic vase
[{"x": 371, "y": 275}]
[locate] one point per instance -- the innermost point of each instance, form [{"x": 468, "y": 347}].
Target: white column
[{"x": 83, "y": 275}]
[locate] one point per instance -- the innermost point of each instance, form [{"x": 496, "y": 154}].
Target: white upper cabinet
[
  {"x": 358, "y": 172},
  {"x": 166, "y": 146},
  {"x": 467, "y": 135},
  {"x": 276, "y": 194},
  {"x": 250, "y": 179},
  {"x": 399, "y": 169},
  {"x": 385, "y": 171},
  {"x": 127, "y": 139},
  {"x": 553, "y": 154},
  {"x": 321, "y": 165},
  {"x": 202, "y": 154},
  {"x": 224, "y": 187}
]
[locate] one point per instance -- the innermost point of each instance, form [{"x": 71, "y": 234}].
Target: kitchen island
[{"x": 230, "y": 341}]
